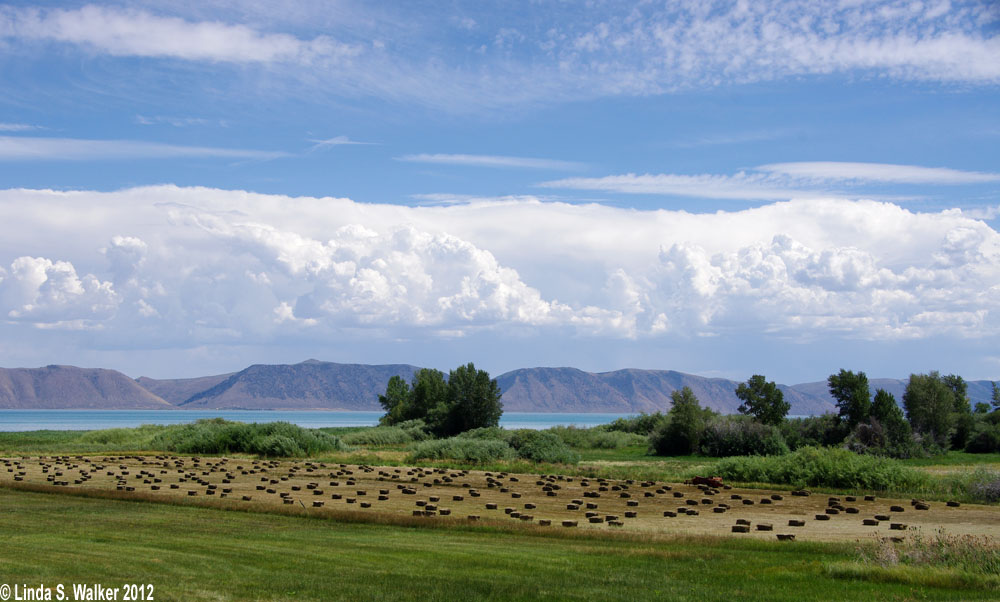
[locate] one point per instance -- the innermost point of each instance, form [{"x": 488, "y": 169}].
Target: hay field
[{"x": 551, "y": 501}]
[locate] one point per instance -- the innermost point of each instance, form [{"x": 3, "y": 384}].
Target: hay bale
[
  {"x": 822, "y": 517},
  {"x": 796, "y": 522},
  {"x": 631, "y": 514},
  {"x": 870, "y": 522},
  {"x": 246, "y": 498},
  {"x": 366, "y": 504},
  {"x": 473, "y": 517},
  {"x": 852, "y": 510},
  {"x": 596, "y": 519},
  {"x": 765, "y": 527},
  {"x": 786, "y": 536},
  {"x": 718, "y": 510},
  {"x": 897, "y": 526},
  {"x": 491, "y": 506},
  {"x": 953, "y": 504},
  {"x": 669, "y": 514},
  {"x": 922, "y": 506},
  {"x": 741, "y": 529},
  {"x": 318, "y": 504},
  {"x": 569, "y": 523},
  {"x": 544, "y": 522},
  {"x": 776, "y": 497},
  {"x": 896, "y": 509},
  {"x": 832, "y": 511}
]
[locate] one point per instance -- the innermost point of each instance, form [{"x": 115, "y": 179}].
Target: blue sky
[{"x": 722, "y": 188}]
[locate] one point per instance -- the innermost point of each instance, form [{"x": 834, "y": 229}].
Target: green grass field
[{"x": 192, "y": 553}]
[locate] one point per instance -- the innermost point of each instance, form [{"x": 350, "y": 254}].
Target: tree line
[{"x": 936, "y": 416}]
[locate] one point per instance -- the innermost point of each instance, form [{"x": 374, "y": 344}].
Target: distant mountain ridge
[
  {"x": 309, "y": 385},
  {"x": 69, "y": 387},
  {"x": 314, "y": 384}
]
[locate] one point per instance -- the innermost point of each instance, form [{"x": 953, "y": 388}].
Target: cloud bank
[{"x": 199, "y": 266}]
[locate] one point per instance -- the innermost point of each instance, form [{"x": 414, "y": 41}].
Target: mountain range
[{"x": 316, "y": 385}]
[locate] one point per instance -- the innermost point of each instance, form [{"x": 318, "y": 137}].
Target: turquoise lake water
[{"x": 86, "y": 420}]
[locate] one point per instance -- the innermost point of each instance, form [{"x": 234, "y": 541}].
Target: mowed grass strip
[{"x": 195, "y": 553}]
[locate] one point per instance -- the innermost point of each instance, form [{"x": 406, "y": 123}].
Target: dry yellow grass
[{"x": 329, "y": 489}]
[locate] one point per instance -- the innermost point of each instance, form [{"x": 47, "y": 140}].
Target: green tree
[
  {"x": 996, "y": 396},
  {"x": 930, "y": 405},
  {"x": 962, "y": 418},
  {"x": 468, "y": 399},
  {"x": 395, "y": 401},
  {"x": 473, "y": 400},
  {"x": 763, "y": 400},
  {"x": 898, "y": 433},
  {"x": 680, "y": 433},
  {"x": 852, "y": 395}
]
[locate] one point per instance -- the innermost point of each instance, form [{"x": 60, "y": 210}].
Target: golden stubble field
[{"x": 554, "y": 501}]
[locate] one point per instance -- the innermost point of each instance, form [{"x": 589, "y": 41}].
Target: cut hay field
[
  {"x": 556, "y": 502},
  {"x": 199, "y": 553}
]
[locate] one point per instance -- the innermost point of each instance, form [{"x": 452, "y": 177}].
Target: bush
[
  {"x": 541, "y": 446},
  {"x": 984, "y": 440},
  {"x": 404, "y": 432},
  {"x": 823, "y": 467},
  {"x": 823, "y": 430},
  {"x": 643, "y": 424},
  {"x": 741, "y": 436},
  {"x": 874, "y": 438},
  {"x": 480, "y": 451},
  {"x": 486, "y": 432},
  {"x": 218, "y": 436},
  {"x": 596, "y": 438},
  {"x": 980, "y": 485}
]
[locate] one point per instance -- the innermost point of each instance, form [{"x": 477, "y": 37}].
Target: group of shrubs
[
  {"x": 491, "y": 444},
  {"x": 218, "y": 436}
]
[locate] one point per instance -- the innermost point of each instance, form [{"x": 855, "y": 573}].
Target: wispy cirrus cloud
[
  {"x": 18, "y": 127},
  {"x": 319, "y": 144},
  {"x": 827, "y": 171},
  {"x": 543, "y": 54},
  {"x": 129, "y": 32},
  {"x": 741, "y": 185},
  {"x": 24, "y": 148},
  {"x": 179, "y": 122},
  {"x": 499, "y": 161},
  {"x": 775, "y": 181}
]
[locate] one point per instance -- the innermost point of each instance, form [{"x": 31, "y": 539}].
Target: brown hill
[
  {"x": 179, "y": 390},
  {"x": 64, "y": 387},
  {"x": 626, "y": 391},
  {"x": 308, "y": 385}
]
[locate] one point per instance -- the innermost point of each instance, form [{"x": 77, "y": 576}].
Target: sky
[{"x": 722, "y": 188}]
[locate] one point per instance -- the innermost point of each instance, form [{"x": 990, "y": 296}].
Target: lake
[{"x": 87, "y": 420}]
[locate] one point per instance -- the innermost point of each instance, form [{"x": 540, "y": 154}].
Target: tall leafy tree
[
  {"x": 468, "y": 399},
  {"x": 680, "y": 434},
  {"x": 853, "y": 397},
  {"x": 930, "y": 405},
  {"x": 763, "y": 400},
  {"x": 473, "y": 400},
  {"x": 897, "y": 430},
  {"x": 962, "y": 419},
  {"x": 395, "y": 401},
  {"x": 996, "y": 396}
]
